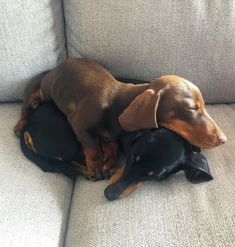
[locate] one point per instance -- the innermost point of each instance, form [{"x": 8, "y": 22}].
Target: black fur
[
  {"x": 54, "y": 141},
  {"x": 159, "y": 152}
]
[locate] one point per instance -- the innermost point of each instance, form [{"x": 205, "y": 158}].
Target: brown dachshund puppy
[{"x": 97, "y": 105}]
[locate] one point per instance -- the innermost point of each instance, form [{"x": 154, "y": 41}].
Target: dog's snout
[
  {"x": 111, "y": 193},
  {"x": 222, "y": 139}
]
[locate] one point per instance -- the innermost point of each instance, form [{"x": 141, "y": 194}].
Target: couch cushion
[
  {"x": 32, "y": 41},
  {"x": 144, "y": 39},
  {"x": 33, "y": 205},
  {"x": 173, "y": 213}
]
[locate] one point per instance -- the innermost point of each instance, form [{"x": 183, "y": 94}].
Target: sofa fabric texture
[
  {"x": 144, "y": 39},
  {"x": 140, "y": 39},
  {"x": 172, "y": 213},
  {"x": 34, "y": 205},
  {"x": 31, "y": 41}
]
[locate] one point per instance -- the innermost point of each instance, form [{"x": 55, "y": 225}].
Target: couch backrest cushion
[
  {"x": 31, "y": 41},
  {"x": 144, "y": 39}
]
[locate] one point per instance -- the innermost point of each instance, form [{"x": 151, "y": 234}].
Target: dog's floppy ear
[{"x": 141, "y": 112}]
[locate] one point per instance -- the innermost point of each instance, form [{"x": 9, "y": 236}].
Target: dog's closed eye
[
  {"x": 137, "y": 158},
  {"x": 58, "y": 158},
  {"x": 193, "y": 108}
]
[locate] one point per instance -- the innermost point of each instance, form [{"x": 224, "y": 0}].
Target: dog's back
[{"x": 76, "y": 81}]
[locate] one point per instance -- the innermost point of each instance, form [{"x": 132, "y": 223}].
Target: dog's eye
[
  {"x": 137, "y": 158},
  {"x": 58, "y": 158},
  {"x": 193, "y": 108},
  {"x": 151, "y": 173}
]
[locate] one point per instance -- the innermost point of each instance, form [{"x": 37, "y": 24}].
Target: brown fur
[{"x": 97, "y": 105}]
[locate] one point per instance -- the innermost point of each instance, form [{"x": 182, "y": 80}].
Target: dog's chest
[
  {"x": 106, "y": 135},
  {"x": 108, "y": 127},
  {"x": 108, "y": 132}
]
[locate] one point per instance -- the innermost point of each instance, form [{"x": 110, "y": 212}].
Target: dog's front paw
[
  {"x": 109, "y": 158},
  {"x": 94, "y": 164},
  {"x": 95, "y": 171},
  {"x": 109, "y": 167}
]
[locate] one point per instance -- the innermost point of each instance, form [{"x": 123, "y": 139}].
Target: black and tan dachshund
[
  {"x": 48, "y": 140},
  {"x": 155, "y": 154},
  {"x": 99, "y": 106}
]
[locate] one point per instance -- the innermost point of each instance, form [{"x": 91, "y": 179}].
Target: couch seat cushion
[
  {"x": 173, "y": 213},
  {"x": 33, "y": 205}
]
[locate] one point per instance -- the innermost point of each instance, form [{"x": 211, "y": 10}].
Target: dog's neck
[
  {"x": 122, "y": 95},
  {"x": 127, "y": 93}
]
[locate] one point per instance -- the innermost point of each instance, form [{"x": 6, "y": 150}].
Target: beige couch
[{"x": 139, "y": 39}]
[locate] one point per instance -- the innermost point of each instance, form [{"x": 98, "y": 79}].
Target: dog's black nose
[
  {"x": 222, "y": 139},
  {"x": 111, "y": 193}
]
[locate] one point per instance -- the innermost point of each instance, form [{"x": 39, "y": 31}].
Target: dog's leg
[
  {"x": 94, "y": 163},
  {"x": 109, "y": 158},
  {"x": 27, "y": 107},
  {"x": 92, "y": 152},
  {"x": 80, "y": 123}
]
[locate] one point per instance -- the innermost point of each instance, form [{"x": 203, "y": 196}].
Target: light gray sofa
[{"x": 139, "y": 39}]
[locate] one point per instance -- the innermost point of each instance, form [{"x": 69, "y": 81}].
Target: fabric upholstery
[
  {"x": 31, "y": 41},
  {"x": 145, "y": 39},
  {"x": 173, "y": 213},
  {"x": 34, "y": 205}
]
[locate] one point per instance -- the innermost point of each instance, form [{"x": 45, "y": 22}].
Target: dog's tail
[{"x": 31, "y": 96}]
